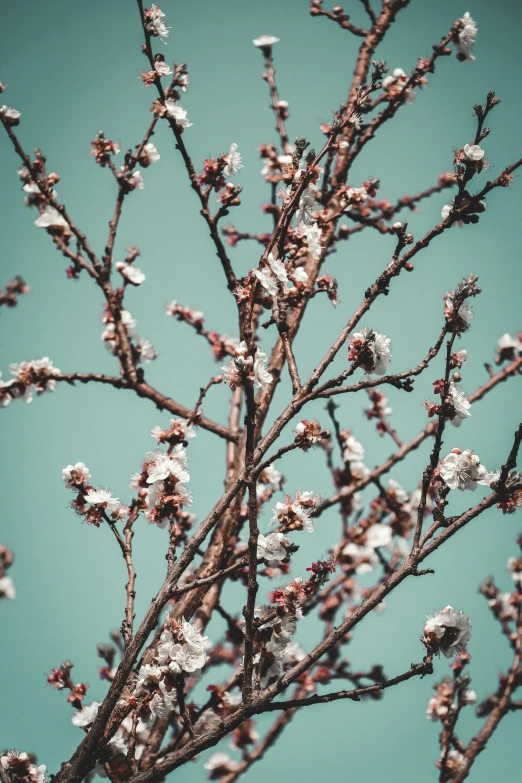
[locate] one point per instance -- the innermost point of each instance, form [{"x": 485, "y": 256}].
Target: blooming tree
[{"x": 150, "y": 721}]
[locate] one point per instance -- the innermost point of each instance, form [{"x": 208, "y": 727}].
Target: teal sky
[{"x": 72, "y": 68}]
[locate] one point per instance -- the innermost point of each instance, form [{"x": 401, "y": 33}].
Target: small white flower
[
  {"x": 313, "y": 236},
  {"x": 307, "y": 207},
  {"x": 261, "y": 375},
  {"x": 353, "y": 450},
  {"x": 466, "y": 38},
  {"x": 190, "y": 658},
  {"x": 270, "y": 548},
  {"x": 278, "y": 268},
  {"x": 157, "y": 25},
  {"x": 163, "y": 465},
  {"x": 473, "y": 152},
  {"x": 51, "y": 218},
  {"x": 151, "y": 152},
  {"x": 7, "y": 588},
  {"x": 136, "y": 181},
  {"x": 378, "y": 536},
  {"x": 267, "y": 280},
  {"x": 131, "y": 273},
  {"x": 221, "y": 761},
  {"x": 9, "y": 114},
  {"x": 193, "y": 635},
  {"x": 73, "y": 475},
  {"x": 445, "y": 212},
  {"x": 460, "y": 403},
  {"x": 265, "y": 41},
  {"x": 298, "y": 275},
  {"x": 462, "y": 470},
  {"x": 85, "y": 716},
  {"x": 178, "y": 113},
  {"x": 449, "y": 630},
  {"x": 102, "y": 497},
  {"x": 507, "y": 343},
  {"x": 161, "y": 67},
  {"x": 234, "y": 161}
]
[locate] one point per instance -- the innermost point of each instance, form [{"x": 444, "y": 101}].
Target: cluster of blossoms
[
  {"x": 447, "y": 631},
  {"x": 296, "y": 513},
  {"x": 370, "y": 350},
  {"x": 462, "y": 470},
  {"x": 163, "y": 476},
  {"x": 443, "y": 703},
  {"x": 155, "y": 24},
  {"x": 143, "y": 349},
  {"x": 275, "y": 273},
  {"x": 243, "y": 366},
  {"x": 310, "y": 433},
  {"x": 7, "y": 588},
  {"x": 103, "y": 148},
  {"x": 30, "y": 377},
  {"x": 18, "y": 767},
  {"x": 216, "y": 171},
  {"x": 456, "y": 309},
  {"x": 395, "y": 85},
  {"x": 50, "y": 218},
  {"x": 180, "y": 652},
  {"x": 93, "y": 503},
  {"x": 118, "y": 744},
  {"x": 455, "y": 405},
  {"x": 15, "y": 288}
]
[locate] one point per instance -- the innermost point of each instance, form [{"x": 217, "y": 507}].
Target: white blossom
[
  {"x": 162, "y": 465},
  {"x": 102, "y": 497},
  {"x": 221, "y": 761},
  {"x": 507, "y": 342},
  {"x": 51, "y": 218},
  {"x": 151, "y": 152},
  {"x": 353, "y": 450},
  {"x": 270, "y": 548},
  {"x": 234, "y": 161},
  {"x": 265, "y": 41},
  {"x": 278, "y": 268},
  {"x": 460, "y": 403},
  {"x": 466, "y": 38},
  {"x": 178, "y": 113},
  {"x": 7, "y": 588},
  {"x": 313, "y": 236},
  {"x": 131, "y": 273},
  {"x": 307, "y": 207},
  {"x": 82, "y": 475},
  {"x": 449, "y": 630},
  {"x": 85, "y": 716},
  {"x": 136, "y": 181},
  {"x": 261, "y": 375},
  {"x": 462, "y": 470},
  {"x": 157, "y": 25},
  {"x": 161, "y": 67},
  {"x": 473, "y": 152},
  {"x": 378, "y": 536},
  {"x": 9, "y": 114},
  {"x": 267, "y": 280},
  {"x": 445, "y": 212}
]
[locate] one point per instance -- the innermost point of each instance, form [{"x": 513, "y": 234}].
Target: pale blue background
[{"x": 71, "y": 69}]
